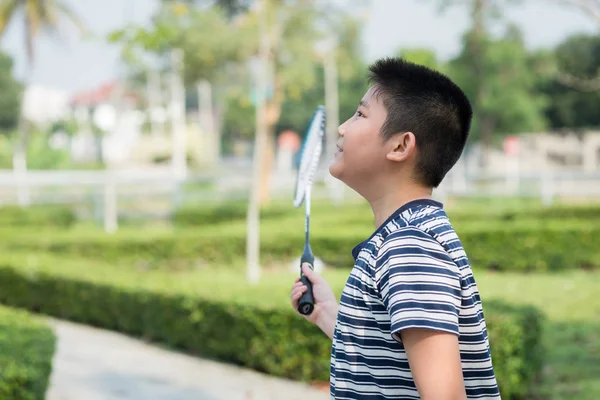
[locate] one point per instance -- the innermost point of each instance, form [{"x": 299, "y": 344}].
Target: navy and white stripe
[{"x": 412, "y": 272}]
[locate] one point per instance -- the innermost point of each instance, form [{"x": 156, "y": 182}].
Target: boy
[{"x": 409, "y": 324}]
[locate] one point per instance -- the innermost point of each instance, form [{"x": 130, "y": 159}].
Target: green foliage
[
  {"x": 504, "y": 242},
  {"x": 542, "y": 239},
  {"x": 424, "y": 57},
  {"x": 36, "y": 216},
  {"x": 298, "y": 108},
  {"x": 218, "y": 213},
  {"x": 38, "y": 15},
  {"x": 39, "y": 153},
  {"x": 507, "y": 95},
  {"x": 579, "y": 57},
  {"x": 271, "y": 339},
  {"x": 517, "y": 353},
  {"x": 10, "y": 95},
  {"x": 208, "y": 40},
  {"x": 26, "y": 349}
]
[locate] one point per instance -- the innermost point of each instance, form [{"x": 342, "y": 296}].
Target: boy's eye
[{"x": 359, "y": 114}]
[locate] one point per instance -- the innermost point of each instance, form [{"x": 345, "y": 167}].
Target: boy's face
[{"x": 361, "y": 152}]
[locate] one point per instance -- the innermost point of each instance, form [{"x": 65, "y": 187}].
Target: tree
[
  {"x": 10, "y": 98},
  {"x": 37, "y": 15},
  {"x": 509, "y": 101},
  {"x": 352, "y": 76},
  {"x": 424, "y": 57},
  {"x": 577, "y": 56},
  {"x": 496, "y": 75},
  {"x": 592, "y": 82},
  {"x": 214, "y": 49}
]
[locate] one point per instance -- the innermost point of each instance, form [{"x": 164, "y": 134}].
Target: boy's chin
[{"x": 335, "y": 169}]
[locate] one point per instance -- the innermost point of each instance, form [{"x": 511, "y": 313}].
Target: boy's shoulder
[
  {"x": 425, "y": 219},
  {"x": 423, "y": 227},
  {"x": 420, "y": 222}
]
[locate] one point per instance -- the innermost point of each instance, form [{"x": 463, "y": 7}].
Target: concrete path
[{"x": 93, "y": 364}]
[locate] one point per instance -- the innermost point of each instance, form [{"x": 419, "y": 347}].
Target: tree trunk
[
  {"x": 206, "y": 117},
  {"x": 179, "y": 127},
  {"x": 20, "y": 150},
  {"x": 218, "y": 117},
  {"x": 477, "y": 50},
  {"x": 272, "y": 117},
  {"x": 20, "y": 163},
  {"x": 253, "y": 217},
  {"x": 336, "y": 188},
  {"x": 486, "y": 129}
]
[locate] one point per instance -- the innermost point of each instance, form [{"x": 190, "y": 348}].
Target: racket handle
[{"x": 306, "y": 304}]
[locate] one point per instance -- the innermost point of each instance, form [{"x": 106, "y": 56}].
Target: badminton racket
[{"x": 309, "y": 161}]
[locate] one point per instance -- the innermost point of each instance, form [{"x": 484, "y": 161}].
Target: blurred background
[{"x": 148, "y": 155}]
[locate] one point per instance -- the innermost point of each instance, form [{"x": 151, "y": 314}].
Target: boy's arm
[
  {"x": 326, "y": 321},
  {"x": 434, "y": 360}
]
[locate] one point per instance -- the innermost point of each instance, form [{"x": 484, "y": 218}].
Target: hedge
[
  {"x": 230, "y": 211},
  {"x": 268, "y": 339},
  {"x": 519, "y": 246},
  {"x": 26, "y": 349},
  {"x": 36, "y": 216},
  {"x": 222, "y": 212},
  {"x": 517, "y": 353}
]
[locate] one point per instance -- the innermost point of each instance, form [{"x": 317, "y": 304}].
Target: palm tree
[{"x": 37, "y": 15}]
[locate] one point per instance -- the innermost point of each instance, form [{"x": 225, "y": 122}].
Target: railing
[{"x": 155, "y": 193}]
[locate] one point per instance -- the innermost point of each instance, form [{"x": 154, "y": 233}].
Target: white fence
[{"x": 154, "y": 193}]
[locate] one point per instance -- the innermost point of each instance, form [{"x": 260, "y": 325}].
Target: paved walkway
[{"x": 93, "y": 364}]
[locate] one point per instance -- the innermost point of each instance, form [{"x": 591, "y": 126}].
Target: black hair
[{"x": 428, "y": 104}]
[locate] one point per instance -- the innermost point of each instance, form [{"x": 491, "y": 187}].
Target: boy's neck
[{"x": 386, "y": 204}]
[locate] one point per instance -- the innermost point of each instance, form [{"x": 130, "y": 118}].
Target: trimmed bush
[
  {"x": 26, "y": 350},
  {"x": 235, "y": 211},
  {"x": 240, "y": 331},
  {"x": 520, "y": 246},
  {"x": 218, "y": 213},
  {"x": 37, "y": 216},
  {"x": 517, "y": 354}
]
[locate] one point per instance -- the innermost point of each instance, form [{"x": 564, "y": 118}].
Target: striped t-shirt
[{"x": 412, "y": 272}]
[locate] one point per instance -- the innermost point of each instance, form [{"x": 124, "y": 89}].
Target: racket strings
[{"x": 311, "y": 154}]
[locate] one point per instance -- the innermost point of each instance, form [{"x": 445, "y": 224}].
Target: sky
[{"x": 72, "y": 64}]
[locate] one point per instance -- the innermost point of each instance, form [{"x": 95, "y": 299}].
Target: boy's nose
[{"x": 342, "y": 130}]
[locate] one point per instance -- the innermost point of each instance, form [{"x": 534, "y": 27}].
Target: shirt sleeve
[{"x": 418, "y": 282}]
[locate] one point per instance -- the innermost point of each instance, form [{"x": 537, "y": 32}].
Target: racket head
[{"x": 310, "y": 154}]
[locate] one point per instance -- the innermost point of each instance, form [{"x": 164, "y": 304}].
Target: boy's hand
[{"x": 326, "y": 306}]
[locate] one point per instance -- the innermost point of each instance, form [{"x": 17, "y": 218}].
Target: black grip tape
[{"x": 306, "y": 304}]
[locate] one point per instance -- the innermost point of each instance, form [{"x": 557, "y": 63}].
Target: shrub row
[
  {"x": 514, "y": 247},
  {"x": 272, "y": 340},
  {"x": 36, "y": 216},
  {"x": 26, "y": 349},
  {"x": 217, "y": 213},
  {"x": 224, "y": 212}
]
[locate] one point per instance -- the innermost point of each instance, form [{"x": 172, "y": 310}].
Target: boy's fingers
[
  {"x": 297, "y": 292},
  {"x": 310, "y": 273}
]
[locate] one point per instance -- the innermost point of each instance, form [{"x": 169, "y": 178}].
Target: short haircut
[{"x": 428, "y": 104}]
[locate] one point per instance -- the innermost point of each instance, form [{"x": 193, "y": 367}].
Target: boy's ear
[{"x": 402, "y": 145}]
